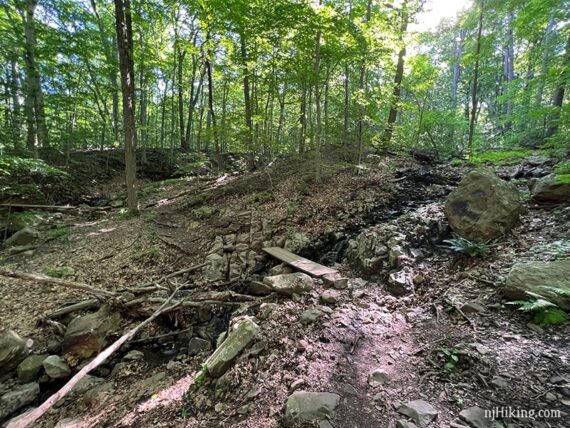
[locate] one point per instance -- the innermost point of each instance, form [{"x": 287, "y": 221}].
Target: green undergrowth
[
  {"x": 33, "y": 180},
  {"x": 508, "y": 157}
]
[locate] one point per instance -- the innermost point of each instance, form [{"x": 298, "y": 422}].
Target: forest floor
[{"x": 498, "y": 358}]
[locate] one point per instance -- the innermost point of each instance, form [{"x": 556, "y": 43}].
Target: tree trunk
[
  {"x": 545, "y": 55},
  {"x": 346, "y": 105},
  {"x": 393, "y": 114},
  {"x": 125, "y": 45},
  {"x": 317, "y": 106},
  {"x": 509, "y": 57},
  {"x": 303, "y": 119},
  {"x": 247, "y": 102},
  {"x": 35, "y": 114},
  {"x": 211, "y": 108},
  {"x": 14, "y": 85},
  {"x": 474, "y": 99},
  {"x": 362, "y": 89},
  {"x": 183, "y": 145},
  {"x": 559, "y": 93}
]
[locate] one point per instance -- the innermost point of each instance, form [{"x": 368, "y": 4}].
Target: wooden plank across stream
[{"x": 298, "y": 262}]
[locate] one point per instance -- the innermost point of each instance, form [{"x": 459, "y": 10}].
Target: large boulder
[
  {"x": 23, "y": 237},
  {"x": 303, "y": 407},
  {"x": 289, "y": 283},
  {"x": 18, "y": 397},
  {"x": 238, "y": 339},
  {"x": 420, "y": 411},
  {"x": 13, "y": 350},
  {"x": 551, "y": 188},
  {"x": 87, "y": 335},
  {"x": 483, "y": 206},
  {"x": 540, "y": 277}
]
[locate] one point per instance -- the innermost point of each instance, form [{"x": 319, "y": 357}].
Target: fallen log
[
  {"x": 29, "y": 419},
  {"x": 57, "y": 281}
]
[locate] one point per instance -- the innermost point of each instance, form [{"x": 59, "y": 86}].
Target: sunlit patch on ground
[{"x": 163, "y": 398}]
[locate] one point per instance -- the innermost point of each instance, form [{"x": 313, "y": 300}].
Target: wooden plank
[{"x": 298, "y": 262}]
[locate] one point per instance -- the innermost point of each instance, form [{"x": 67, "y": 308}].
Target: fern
[
  {"x": 460, "y": 244},
  {"x": 545, "y": 312},
  {"x": 556, "y": 290},
  {"x": 533, "y": 305}
]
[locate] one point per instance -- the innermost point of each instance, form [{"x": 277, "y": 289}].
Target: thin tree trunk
[
  {"x": 281, "y": 99},
  {"x": 545, "y": 55},
  {"x": 474, "y": 99},
  {"x": 211, "y": 108},
  {"x": 181, "y": 56},
  {"x": 13, "y": 88},
  {"x": 303, "y": 119},
  {"x": 247, "y": 101},
  {"x": 125, "y": 45},
  {"x": 393, "y": 114},
  {"x": 559, "y": 94},
  {"x": 35, "y": 114},
  {"x": 346, "y": 105},
  {"x": 317, "y": 106}
]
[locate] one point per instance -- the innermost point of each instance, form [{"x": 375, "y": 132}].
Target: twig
[
  {"x": 161, "y": 336},
  {"x": 355, "y": 344},
  {"x": 484, "y": 281},
  {"x": 154, "y": 285},
  {"x": 29, "y": 419},
  {"x": 56, "y": 281}
]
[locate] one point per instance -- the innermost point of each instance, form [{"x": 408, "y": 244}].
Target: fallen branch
[
  {"x": 84, "y": 304},
  {"x": 29, "y": 419},
  {"x": 154, "y": 285},
  {"x": 57, "y": 281},
  {"x": 39, "y": 207}
]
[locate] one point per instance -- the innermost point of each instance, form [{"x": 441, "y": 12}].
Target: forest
[{"x": 286, "y": 213}]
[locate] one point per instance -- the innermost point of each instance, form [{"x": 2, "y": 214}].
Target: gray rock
[
  {"x": 534, "y": 276},
  {"x": 420, "y": 411},
  {"x": 280, "y": 269},
  {"x": 238, "y": 339},
  {"x": 86, "y": 383},
  {"x": 288, "y": 284},
  {"x": 500, "y": 382},
  {"x": 325, "y": 424},
  {"x": 215, "y": 268},
  {"x": 348, "y": 389},
  {"x": 400, "y": 283},
  {"x": 335, "y": 280},
  {"x": 378, "y": 378},
  {"x": 197, "y": 346},
  {"x": 25, "y": 236},
  {"x": 550, "y": 189},
  {"x": 68, "y": 423},
  {"x": 473, "y": 308},
  {"x": 483, "y": 206},
  {"x": 86, "y": 335},
  {"x": 97, "y": 395},
  {"x": 405, "y": 424},
  {"x": 311, "y": 315},
  {"x": 134, "y": 355},
  {"x": 259, "y": 288},
  {"x": 330, "y": 296},
  {"x": 305, "y": 407},
  {"x": 18, "y": 397},
  {"x": 29, "y": 369},
  {"x": 265, "y": 309},
  {"x": 55, "y": 367},
  {"x": 13, "y": 350},
  {"x": 296, "y": 242},
  {"x": 475, "y": 417}
]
